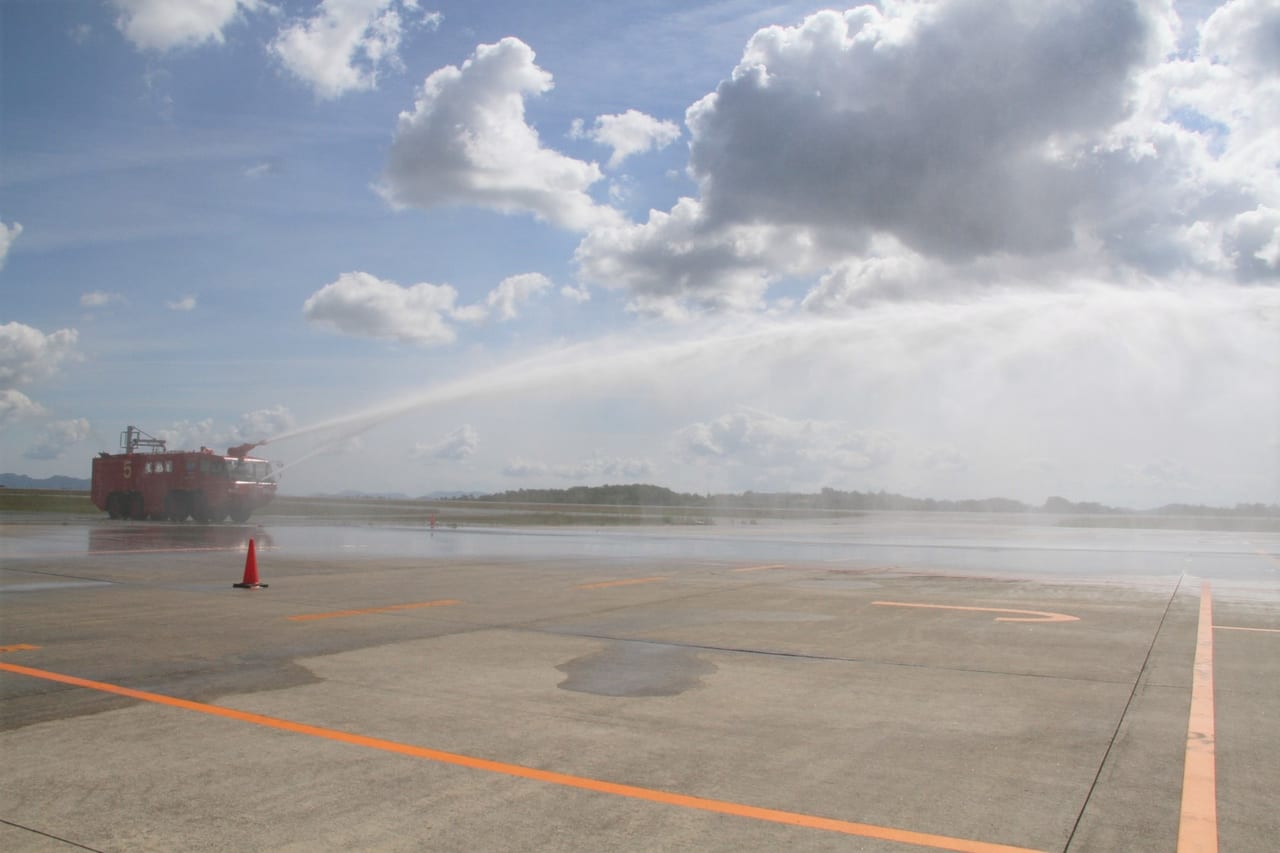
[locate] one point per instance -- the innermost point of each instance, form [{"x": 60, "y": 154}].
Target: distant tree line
[
  {"x": 834, "y": 500},
  {"x": 635, "y": 494}
]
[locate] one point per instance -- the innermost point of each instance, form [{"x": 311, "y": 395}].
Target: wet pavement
[{"x": 895, "y": 682}]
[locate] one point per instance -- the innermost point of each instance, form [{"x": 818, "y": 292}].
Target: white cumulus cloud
[
  {"x": 780, "y": 449},
  {"x": 576, "y": 294},
  {"x": 28, "y": 355},
  {"x": 514, "y": 290},
  {"x": 363, "y": 305},
  {"x": 595, "y": 467},
  {"x": 186, "y": 303},
  {"x": 8, "y": 233},
  {"x": 163, "y": 25},
  {"x": 15, "y": 406},
  {"x": 628, "y": 133},
  {"x": 466, "y": 142},
  {"x": 99, "y": 299},
  {"x": 258, "y": 425},
  {"x": 456, "y": 446},
  {"x": 347, "y": 44},
  {"x": 57, "y": 438},
  {"x": 263, "y": 424}
]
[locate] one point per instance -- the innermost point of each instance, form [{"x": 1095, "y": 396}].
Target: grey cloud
[
  {"x": 939, "y": 146},
  {"x": 937, "y": 137}
]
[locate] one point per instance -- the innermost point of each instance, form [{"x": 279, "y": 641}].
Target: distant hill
[{"x": 22, "y": 481}]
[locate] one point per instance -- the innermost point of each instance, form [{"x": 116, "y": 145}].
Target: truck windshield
[{"x": 249, "y": 470}]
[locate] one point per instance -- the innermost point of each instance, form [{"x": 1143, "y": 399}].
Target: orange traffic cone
[{"x": 250, "y": 571}]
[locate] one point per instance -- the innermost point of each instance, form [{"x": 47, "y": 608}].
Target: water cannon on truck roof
[
  {"x": 162, "y": 484},
  {"x": 240, "y": 451}
]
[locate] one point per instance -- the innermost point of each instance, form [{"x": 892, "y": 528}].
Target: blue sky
[{"x": 954, "y": 249}]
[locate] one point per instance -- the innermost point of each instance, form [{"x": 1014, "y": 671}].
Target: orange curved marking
[
  {"x": 1027, "y": 615},
  {"x": 18, "y": 647},
  {"x": 618, "y": 789},
  {"x": 627, "y": 582}
]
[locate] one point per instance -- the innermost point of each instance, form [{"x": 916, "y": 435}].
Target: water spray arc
[{"x": 587, "y": 366}]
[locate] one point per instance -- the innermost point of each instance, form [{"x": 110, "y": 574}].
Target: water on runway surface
[
  {"x": 982, "y": 545},
  {"x": 989, "y": 679}
]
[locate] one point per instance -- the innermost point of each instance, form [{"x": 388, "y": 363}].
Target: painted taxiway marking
[
  {"x": 111, "y": 552},
  {"x": 864, "y": 830},
  {"x": 390, "y": 608},
  {"x": 1198, "y": 825},
  {"x": 1027, "y": 615},
  {"x": 18, "y": 647},
  {"x": 627, "y": 582},
  {"x": 760, "y": 568},
  {"x": 1238, "y": 628}
]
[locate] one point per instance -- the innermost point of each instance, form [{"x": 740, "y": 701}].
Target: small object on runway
[{"x": 250, "y": 571}]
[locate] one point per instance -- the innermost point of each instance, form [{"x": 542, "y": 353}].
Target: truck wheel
[
  {"x": 240, "y": 514},
  {"x": 199, "y": 509},
  {"x": 137, "y": 508},
  {"x": 113, "y": 505},
  {"x": 175, "y": 506}
]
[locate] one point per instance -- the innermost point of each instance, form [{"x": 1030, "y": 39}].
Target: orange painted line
[
  {"x": 864, "y": 830},
  {"x": 18, "y": 647},
  {"x": 1028, "y": 615},
  {"x": 305, "y": 617},
  {"x": 103, "y": 551},
  {"x": 1237, "y": 628},
  {"x": 1198, "y": 825},
  {"x": 106, "y": 552},
  {"x": 760, "y": 568},
  {"x": 627, "y": 582}
]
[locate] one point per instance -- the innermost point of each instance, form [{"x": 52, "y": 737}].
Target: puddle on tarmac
[{"x": 636, "y": 669}]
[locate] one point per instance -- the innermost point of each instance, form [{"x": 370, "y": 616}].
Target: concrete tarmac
[{"x": 611, "y": 694}]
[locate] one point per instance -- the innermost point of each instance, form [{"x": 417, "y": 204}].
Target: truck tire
[
  {"x": 114, "y": 510},
  {"x": 175, "y": 506},
  {"x": 137, "y": 507},
  {"x": 240, "y": 513},
  {"x": 199, "y": 509}
]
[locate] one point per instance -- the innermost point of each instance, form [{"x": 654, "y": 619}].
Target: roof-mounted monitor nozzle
[
  {"x": 133, "y": 438},
  {"x": 240, "y": 451}
]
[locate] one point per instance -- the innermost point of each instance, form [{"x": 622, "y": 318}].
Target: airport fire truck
[{"x": 150, "y": 481}]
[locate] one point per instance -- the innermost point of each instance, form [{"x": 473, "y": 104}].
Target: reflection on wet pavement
[
  {"x": 175, "y": 537},
  {"x": 897, "y": 543},
  {"x": 636, "y": 669}
]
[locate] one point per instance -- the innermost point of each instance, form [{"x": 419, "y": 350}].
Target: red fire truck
[{"x": 149, "y": 481}]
